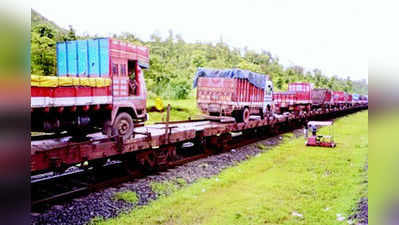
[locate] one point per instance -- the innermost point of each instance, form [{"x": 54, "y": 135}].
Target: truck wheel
[
  {"x": 123, "y": 125},
  {"x": 245, "y": 115},
  {"x": 242, "y": 115}
]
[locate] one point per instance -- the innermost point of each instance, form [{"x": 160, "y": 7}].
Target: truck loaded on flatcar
[
  {"x": 233, "y": 92},
  {"x": 99, "y": 83}
]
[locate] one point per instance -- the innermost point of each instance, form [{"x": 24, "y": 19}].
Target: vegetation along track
[{"x": 50, "y": 189}]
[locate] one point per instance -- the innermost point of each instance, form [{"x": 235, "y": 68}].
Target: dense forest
[{"x": 173, "y": 62}]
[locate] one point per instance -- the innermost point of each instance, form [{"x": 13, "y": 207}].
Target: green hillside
[{"x": 37, "y": 18}]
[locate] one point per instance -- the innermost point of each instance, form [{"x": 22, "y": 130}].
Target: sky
[{"x": 329, "y": 35}]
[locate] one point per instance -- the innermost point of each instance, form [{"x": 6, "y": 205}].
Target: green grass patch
[
  {"x": 180, "y": 110},
  {"x": 128, "y": 196},
  {"x": 262, "y": 147},
  {"x": 288, "y": 135},
  {"x": 274, "y": 188},
  {"x": 96, "y": 220},
  {"x": 167, "y": 187}
]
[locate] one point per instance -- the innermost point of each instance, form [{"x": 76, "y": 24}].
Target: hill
[{"x": 37, "y": 18}]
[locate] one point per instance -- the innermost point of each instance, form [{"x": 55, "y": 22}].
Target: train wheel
[{"x": 123, "y": 125}]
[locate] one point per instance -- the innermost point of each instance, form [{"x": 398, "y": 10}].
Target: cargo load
[
  {"x": 321, "y": 97},
  {"x": 99, "y": 84},
  {"x": 233, "y": 92},
  {"x": 338, "y": 97}
]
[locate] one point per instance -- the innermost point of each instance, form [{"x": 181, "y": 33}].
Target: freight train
[{"x": 100, "y": 84}]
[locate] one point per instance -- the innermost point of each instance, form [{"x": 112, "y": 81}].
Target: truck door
[{"x": 268, "y": 97}]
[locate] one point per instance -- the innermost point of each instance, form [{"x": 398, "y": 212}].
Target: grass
[
  {"x": 289, "y": 184},
  {"x": 180, "y": 110},
  {"x": 128, "y": 196},
  {"x": 167, "y": 187}
]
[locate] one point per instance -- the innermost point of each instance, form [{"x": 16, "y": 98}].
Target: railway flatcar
[
  {"x": 233, "y": 92},
  {"x": 99, "y": 84}
]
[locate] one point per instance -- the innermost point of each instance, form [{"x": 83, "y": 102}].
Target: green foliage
[
  {"x": 43, "y": 55},
  {"x": 128, "y": 196},
  {"x": 44, "y": 35}
]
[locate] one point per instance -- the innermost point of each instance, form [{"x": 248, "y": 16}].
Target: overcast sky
[{"x": 314, "y": 34}]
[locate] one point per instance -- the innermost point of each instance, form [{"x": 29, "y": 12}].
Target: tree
[
  {"x": 71, "y": 35},
  {"x": 348, "y": 85},
  {"x": 43, "y": 53},
  {"x": 279, "y": 84}
]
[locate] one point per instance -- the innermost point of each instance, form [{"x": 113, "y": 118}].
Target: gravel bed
[
  {"x": 101, "y": 204},
  {"x": 361, "y": 214}
]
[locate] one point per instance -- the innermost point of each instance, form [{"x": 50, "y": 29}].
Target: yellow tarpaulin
[{"x": 53, "y": 81}]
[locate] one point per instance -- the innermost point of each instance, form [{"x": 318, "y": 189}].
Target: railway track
[{"x": 52, "y": 188}]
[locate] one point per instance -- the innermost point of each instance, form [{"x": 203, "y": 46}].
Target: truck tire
[
  {"x": 242, "y": 115},
  {"x": 123, "y": 125},
  {"x": 245, "y": 115}
]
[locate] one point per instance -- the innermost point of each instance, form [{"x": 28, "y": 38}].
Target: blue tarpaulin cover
[{"x": 257, "y": 79}]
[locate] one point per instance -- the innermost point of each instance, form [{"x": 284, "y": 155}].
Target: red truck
[
  {"x": 284, "y": 101},
  {"x": 233, "y": 92},
  {"x": 297, "y": 98},
  {"x": 99, "y": 84},
  {"x": 338, "y": 98},
  {"x": 321, "y": 98},
  {"x": 348, "y": 99}
]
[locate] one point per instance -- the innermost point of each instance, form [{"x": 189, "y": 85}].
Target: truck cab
[{"x": 268, "y": 103}]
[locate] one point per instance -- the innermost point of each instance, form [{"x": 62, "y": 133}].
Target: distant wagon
[
  {"x": 298, "y": 98},
  {"x": 348, "y": 99},
  {"x": 284, "y": 101},
  {"x": 355, "y": 99},
  {"x": 233, "y": 92},
  {"x": 321, "y": 98},
  {"x": 338, "y": 98}
]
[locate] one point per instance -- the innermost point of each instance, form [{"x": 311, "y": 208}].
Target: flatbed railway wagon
[
  {"x": 321, "y": 98},
  {"x": 233, "y": 92},
  {"x": 99, "y": 84}
]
